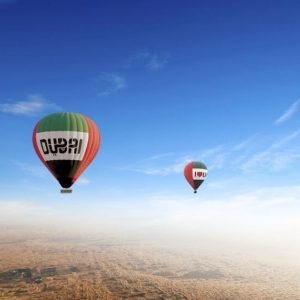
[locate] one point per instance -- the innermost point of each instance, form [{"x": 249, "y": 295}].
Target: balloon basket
[{"x": 65, "y": 191}]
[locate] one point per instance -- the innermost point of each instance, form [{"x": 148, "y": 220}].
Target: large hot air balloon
[
  {"x": 195, "y": 173},
  {"x": 66, "y": 143}
]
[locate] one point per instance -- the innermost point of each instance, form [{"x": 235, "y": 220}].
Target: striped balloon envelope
[
  {"x": 66, "y": 143},
  {"x": 195, "y": 173}
]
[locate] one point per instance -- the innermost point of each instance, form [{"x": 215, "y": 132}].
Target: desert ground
[{"x": 36, "y": 264}]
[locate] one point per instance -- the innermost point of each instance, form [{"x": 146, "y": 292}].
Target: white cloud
[
  {"x": 295, "y": 107},
  {"x": 244, "y": 156},
  {"x": 275, "y": 157},
  {"x": 83, "y": 181},
  {"x": 176, "y": 166},
  {"x": 218, "y": 161},
  {"x": 148, "y": 60},
  {"x": 155, "y": 62},
  {"x": 172, "y": 169},
  {"x": 284, "y": 159},
  {"x": 34, "y": 170},
  {"x": 212, "y": 151},
  {"x": 285, "y": 140},
  {"x": 222, "y": 184},
  {"x": 168, "y": 163},
  {"x": 159, "y": 156},
  {"x": 245, "y": 144},
  {"x": 109, "y": 83},
  {"x": 34, "y": 105}
]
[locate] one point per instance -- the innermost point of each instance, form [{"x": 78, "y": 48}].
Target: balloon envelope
[
  {"x": 66, "y": 143},
  {"x": 195, "y": 173}
]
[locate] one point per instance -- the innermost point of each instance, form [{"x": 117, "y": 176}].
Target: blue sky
[{"x": 166, "y": 81}]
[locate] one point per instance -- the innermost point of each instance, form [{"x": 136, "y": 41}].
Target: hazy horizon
[{"x": 238, "y": 223}]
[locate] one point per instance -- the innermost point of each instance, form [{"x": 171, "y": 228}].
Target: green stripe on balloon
[
  {"x": 199, "y": 165},
  {"x": 57, "y": 122}
]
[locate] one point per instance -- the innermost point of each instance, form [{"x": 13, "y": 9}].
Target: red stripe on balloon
[
  {"x": 188, "y": 174},
  {"x": 91, "y": 149}
]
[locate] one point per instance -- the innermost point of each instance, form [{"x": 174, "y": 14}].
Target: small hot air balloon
[
  {"x": 66, "y": 143},
  {"x": 195, "y": 173}
]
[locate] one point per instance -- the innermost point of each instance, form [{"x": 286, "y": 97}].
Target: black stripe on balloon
[
  {"x": 64, "y": 170},
  {"x": 197, "y": 183}
]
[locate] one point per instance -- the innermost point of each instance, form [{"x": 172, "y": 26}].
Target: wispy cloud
[
  {"x": 83, "y": 181},
  {"x": 245, "y": 144},
  {"x": 275, "y": 157},
  {"x": 212, "y": 151},
  {"x": 170, "y": 163},
  {"x": 285, "y": 140},
  {"x": 159, "y": 164},
  {"x": 149, "y": 61},
  {"x": 109, "y": 83},
  {"x": 34, "y": 170},
  {"x": 251, "y": 154},
  {"x": 159, "y": 156},
  {"x": 173, "y": 168},
  {"x": 34, "y": 105},
  {"x": 160, "y": 168},
  {"x": 154, "y": 62},
  {"x": 294, "y": 108}
]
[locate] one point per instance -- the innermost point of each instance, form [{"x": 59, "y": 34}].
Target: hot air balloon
[
  {"x": 195, "y": 173},
  {"x": 66, "y": 143}
]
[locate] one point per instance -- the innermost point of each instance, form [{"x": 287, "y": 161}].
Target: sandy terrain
[{"x": 44, "y": 266}]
